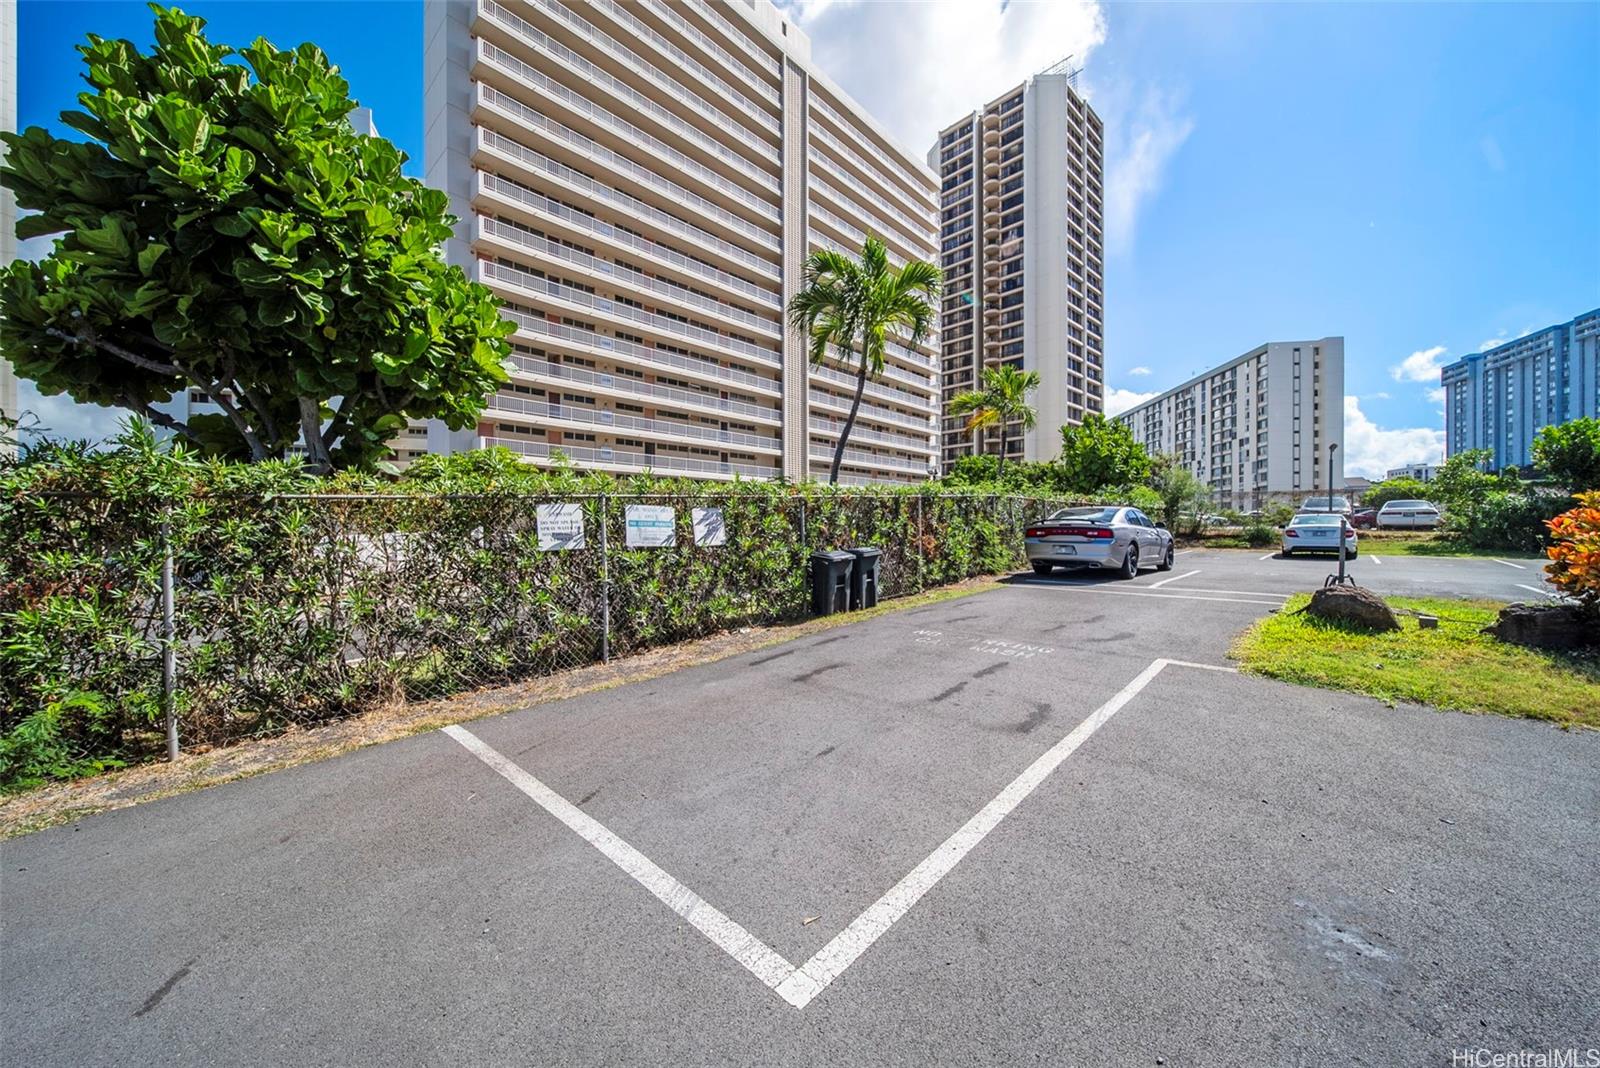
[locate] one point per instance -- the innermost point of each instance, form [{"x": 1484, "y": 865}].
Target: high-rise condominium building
[
  {"x": 640, "y": 183},
  {"x": 1258, "y": 426},
  {"x": 1021, "y": 246},
  {"x": 1498, "y": 399}
]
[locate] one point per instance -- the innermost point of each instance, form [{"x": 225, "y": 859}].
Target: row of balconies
[
  {"x": 627, "y": 386},
  {"x": 608, "y": 458},
  {"x": 604, "y": 420}
]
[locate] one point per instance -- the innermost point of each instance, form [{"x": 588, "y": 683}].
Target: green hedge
[{"x": 300, "y": 600}]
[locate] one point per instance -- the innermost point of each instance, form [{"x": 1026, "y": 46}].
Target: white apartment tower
[
  {"x": 640, "y": 183},
  {"x": 1021, "y": 244},
  {"x": 1257, "y": 427}
]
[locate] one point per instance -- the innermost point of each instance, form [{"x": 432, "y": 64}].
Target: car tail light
[
  {"x": 1069, "y": 532},
  {"x": 1291, "y": 533}
]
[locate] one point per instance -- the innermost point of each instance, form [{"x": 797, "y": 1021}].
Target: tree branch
[
  {"x": 311, "y": 430},
  {"x": 219, "y": 397},
  {"x": 158, "y": 417},
  {"x": 90, "y": 338}
]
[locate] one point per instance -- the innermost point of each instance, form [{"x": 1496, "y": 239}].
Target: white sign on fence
[
  {"x": 708, "y": 528},
  {"x": 560, "y": 526},
  {"x": 651, "y": 526}
]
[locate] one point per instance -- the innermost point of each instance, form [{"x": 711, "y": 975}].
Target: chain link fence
[{"x": 129, "y": 628}]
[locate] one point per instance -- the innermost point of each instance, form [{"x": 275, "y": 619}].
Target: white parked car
[
  {"x": 1309, "y": 533},
  {"x": 1409, "y": 515},
  {"x": 1323, "y": 504}
]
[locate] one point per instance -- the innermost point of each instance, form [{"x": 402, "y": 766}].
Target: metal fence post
[
  {"x": 802, "y": 526},
  {"x": 169, "y": 643},
  {"x": 922, "y": 549},
  {"x": 605, "y": 581}
]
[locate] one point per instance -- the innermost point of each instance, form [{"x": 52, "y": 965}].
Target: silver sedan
[{"x": 1107, "y": 536}]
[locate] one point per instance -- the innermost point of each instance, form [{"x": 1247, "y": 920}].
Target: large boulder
[
  {"x": 1352, "y": 606},
  {"x": 1546, "y": 626}
]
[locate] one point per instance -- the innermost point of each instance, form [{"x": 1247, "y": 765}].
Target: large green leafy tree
[
  {"x": 1002, "y": 400},
  {"x": 851, "y": 309},
  {"x": 1570, "y": 453},
  {"x": 1395, "y": 489},
  {"x": 225, "y": 230},
  {"x": 1101, "y": 452}
]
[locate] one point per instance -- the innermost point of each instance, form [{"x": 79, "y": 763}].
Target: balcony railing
[
  {"x": 539, "y": 162},
  {"x": 890, "y": 164},
  {"x": 628, "y": 458},
  {"x": 533, "y": 120},
  {"x": 871, "y": 411},
  {"x": 631, "y": 134},
  {"x": 538, "y": 202},
  {"x": 531, "y": 283},
  {"x": 695, "y": 34},
  {"x": 675, "y": 90},
  {"x": 916, "y": 225},
  {"x": 620, "y": 422},
  {"x": 625, "y": 276},
  {"x": 911, "y": 246},
  {"x": 611, "y": 383},
  {"x": 857, "y": 432},
  {"x": 820, "y": 134},
  {"x": 873, "y": 459}
]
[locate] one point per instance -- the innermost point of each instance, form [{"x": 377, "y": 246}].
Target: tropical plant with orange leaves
[{"x": 1574, "y": 551}]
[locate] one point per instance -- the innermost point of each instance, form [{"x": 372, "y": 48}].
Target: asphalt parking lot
[{"x": 1040, "y": 824}]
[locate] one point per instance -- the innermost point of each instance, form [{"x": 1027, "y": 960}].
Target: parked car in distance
[
  {"x": 1364, "y": 518},
  {"x": 1323, "y": 504},
  {"x": 1114, "y": 537},
  {"x": 1314, "y": 533},
  {"x": 1408, "y": 515}
]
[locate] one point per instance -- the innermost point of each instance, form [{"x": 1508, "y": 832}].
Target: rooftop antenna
[{"x": 1064, "y": 66}]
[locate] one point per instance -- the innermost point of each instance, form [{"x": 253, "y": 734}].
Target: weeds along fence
[{"x": 127, "y": 629}]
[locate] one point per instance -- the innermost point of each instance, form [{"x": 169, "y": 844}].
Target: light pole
[
  {"x": 1341, "y": 578},
  {"x": 1333, "y": 447}
]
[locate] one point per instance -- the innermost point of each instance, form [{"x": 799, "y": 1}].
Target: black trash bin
[
  {"x": 864, "y": 580},
  {"x": 830, "y": 581}
]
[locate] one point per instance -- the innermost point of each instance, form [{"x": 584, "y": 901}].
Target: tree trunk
[
  {"x": 317, "y": 456},
  {"x": 999, "y": 468},
  {"x": 849, "y": 423}
]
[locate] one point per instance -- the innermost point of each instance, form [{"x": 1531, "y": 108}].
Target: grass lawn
[{"x": 1452, "y": 667}]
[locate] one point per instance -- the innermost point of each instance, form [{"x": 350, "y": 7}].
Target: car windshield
[
  {"x": 1325, "y": 502},
  {"x": 1083, "y": 515},
  {"x": 1314, "y": 521},
  {"x": 1408, "y": 504}
]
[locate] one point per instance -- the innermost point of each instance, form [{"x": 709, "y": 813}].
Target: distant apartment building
[
  {"x": 1021, "y": 244},
  {"x": 1258, "y": 426},
  {"x": 1420, "y": 472},
  {"x": 640, "y": 184},
  {"x": 1499, "y": 399}
]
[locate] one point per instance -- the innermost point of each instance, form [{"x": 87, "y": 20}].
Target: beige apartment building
[
  {"x": 1258, "y": 427},
  {"x": 1022, "y": 247},
  {"x": 640, "y": 183}
]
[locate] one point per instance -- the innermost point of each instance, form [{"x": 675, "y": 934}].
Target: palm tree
[
  {"x": 857, "y": 307},
  {"x": 1002, "y": 400}
]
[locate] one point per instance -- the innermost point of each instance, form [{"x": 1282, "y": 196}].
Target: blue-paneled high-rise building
[{"x": 1498, "y": 399}]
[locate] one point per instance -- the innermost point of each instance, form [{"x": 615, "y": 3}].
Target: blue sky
[{"x": 1419, "y": 178}]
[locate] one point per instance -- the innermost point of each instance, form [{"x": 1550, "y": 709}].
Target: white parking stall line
[
  {"x": 1375, "y": 559},
  {"x": 1269, "y": 556},
  {"x": 1234, "y": 593},
  {"x": 1535, "y": 589},
  {"x": 1181, "y": 596},
  {"x": 1508, "y": 563},
  {"x": 798, "y": 986},
  {"x": 1174, "y": 578},
  {"x": 1183, "y": 552}
]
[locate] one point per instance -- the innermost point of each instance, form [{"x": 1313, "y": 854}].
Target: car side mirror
[{"x": 1161, "y": 526}]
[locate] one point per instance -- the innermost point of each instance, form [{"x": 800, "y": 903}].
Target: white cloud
[
  {"x": 918, "y": 68},
  {"x": 61, "y": 418},
  {"x": 1370, "y": 450},
  {"x": 1436, "y": 395},
  {"x": 1380, "y": 395},
  {"x": 1120, "y": 400},
  {"x": 1420, "y": 366},
  {"x": 1140, "y": 371},
  {"x": 1493, "y": 343},
  {"x": 1141, "y": 141}
]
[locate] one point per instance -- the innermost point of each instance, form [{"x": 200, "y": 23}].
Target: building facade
[
  {"x": 1021, "y": 244},
  {"x": 640, "y": 183},
  {"x": 1259, "y": 426},
  {"x": 1499, "y": 399},
  {"x": 1420, "y": 472}
]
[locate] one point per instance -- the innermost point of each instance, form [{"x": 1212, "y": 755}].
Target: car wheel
[
  {"x": 1042, "y": 569},
  {"x": 1166, "y": 561},
  {"x": 1130, "y": 563},
  {"x": 1286, "y": 553}
]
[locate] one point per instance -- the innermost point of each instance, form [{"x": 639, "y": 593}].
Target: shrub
[
  {"x": 1260, "y": 535},
  {"x": 1511, "y": 522},
  {"x": 1574, "y": 552}
]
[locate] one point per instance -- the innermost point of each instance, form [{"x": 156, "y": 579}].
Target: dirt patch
[{"x": 59, "y": 803}]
